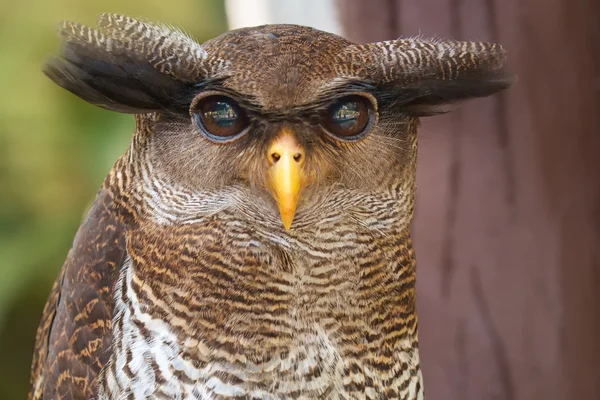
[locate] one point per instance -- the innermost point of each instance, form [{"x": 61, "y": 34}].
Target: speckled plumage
[{"x": 183, "y": 283}]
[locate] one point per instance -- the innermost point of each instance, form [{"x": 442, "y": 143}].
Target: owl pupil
[
  {"x": 348, "y": 118},
  {"x": 223, "y": 114},
  {"x": 219, "y": 118}
]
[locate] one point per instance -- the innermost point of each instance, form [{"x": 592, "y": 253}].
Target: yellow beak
[{"x": 286, "y": 175}]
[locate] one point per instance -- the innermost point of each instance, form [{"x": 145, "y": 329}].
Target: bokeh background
[{"x": 507, "y": 226}]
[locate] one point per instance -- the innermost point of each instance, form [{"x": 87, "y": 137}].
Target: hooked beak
[{"x": 286, "y": 174}]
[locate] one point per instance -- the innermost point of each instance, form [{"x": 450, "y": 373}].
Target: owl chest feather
[{"x": 274, "y": 318}]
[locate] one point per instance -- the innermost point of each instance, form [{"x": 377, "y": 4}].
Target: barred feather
[
  {"x": 128, "y": 66},
  {"x": 426, "y": 76}
]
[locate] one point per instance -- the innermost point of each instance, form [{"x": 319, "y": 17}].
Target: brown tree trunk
[{"x": 507, "y": 225}]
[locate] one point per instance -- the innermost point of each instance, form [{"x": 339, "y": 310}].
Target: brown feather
[{"x": 74, "y": 337}]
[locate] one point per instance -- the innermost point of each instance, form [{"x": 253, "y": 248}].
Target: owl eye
[
  {"x": 220, "y": 118},
  {"x": 348, "y": 118}
]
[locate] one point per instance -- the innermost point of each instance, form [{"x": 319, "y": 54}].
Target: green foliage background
[{"x": 54, "y": 153}]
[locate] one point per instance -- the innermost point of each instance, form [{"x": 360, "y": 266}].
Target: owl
[{"x": 253, "y": 240}]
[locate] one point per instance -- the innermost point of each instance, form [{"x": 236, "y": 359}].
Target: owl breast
[{"x": 203, "y": 317}]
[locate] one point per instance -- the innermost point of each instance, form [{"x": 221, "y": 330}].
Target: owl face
[
  {"x": 288, "y": 113},
  {"x": 291, "y": 157}
]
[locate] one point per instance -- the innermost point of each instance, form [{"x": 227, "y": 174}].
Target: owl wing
[{"x": 73, "y": 342}]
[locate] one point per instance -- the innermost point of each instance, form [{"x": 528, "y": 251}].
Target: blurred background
[{"x": 507, "y": 226}]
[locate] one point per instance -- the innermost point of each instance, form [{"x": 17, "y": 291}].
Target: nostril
[
  {"x": 297, "y": 157},
  {"x": 275, "y": 157}
]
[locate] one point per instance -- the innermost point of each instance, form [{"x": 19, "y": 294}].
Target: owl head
[{"x": 294, "y": 118}]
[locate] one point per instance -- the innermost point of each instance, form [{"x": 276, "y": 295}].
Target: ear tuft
[
  {"x": 426, "y": 77},
  {"x": 439, "y": 97},
  {"x": 127, "y": 65}
]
